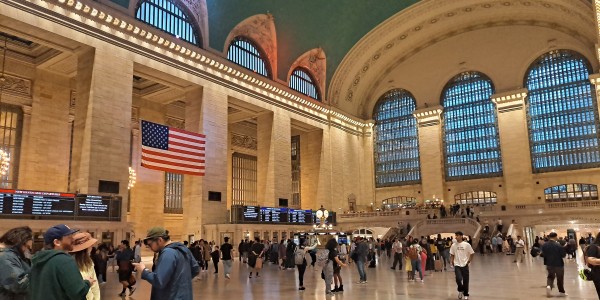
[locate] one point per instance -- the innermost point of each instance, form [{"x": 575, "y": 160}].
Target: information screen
[
  {"x": 251, "y": 214},
  {"x": 276, "y": 215},
  {"x": 20, "y": 204}
]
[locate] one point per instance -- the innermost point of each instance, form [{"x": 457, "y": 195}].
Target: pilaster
[{"x": 431, "y": 156}]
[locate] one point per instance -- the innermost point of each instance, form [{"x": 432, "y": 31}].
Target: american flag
[{"x": 172, "y": 150}]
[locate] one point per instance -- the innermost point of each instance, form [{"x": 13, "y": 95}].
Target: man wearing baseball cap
[
  {"x": 174, "y": 269},
  {"x": 54, "y": 273},
  {"x": 554, "y": 254}
]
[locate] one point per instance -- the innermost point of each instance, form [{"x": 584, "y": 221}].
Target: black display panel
[
  {"x": 251, "y": 214},
  {"x": 20, "y": 204},
  {"x": 276, "y": 215}
]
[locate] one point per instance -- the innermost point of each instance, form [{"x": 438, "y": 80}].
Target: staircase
[
  {"x": 393, "y": 233},
  {"x": 468, "y": 226}
]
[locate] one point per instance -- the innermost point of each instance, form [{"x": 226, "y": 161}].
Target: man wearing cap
[
  {"x": 554, "y": 254},
  {"x": 54, "y": 273},
  {"x": 174, "y": 270},
  {"x": 461, "y": 254}
]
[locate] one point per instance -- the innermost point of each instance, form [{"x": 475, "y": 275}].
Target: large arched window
[
  {"x": 571, "y": 192},
  {"x": 396, "y": 140},
  {"x": 471, "y": 144},
  {"x": 168, "y": 17},
  {"x": 477, "y": 197},
  {"x": 301, "y": 81},
  {"x": 245, "y": 53},
  {"x": 562, "y": 113}
]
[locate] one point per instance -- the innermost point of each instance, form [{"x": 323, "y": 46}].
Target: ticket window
[
  {"x": 257, "y": 234},
  {"x": 108, "y": 238},
  {"x": 266, "y": 236}
]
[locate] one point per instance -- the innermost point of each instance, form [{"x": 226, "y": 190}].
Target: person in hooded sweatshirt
[
  {"x": 54, "y": 273},
  {"x": 174, "y": 268},
  {"x": 15, "y": 248}
]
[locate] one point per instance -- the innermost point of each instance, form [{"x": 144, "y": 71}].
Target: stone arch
[
  {"x": 370, "y": 64},
  {"x": 315, "y": 61},
  {"x": 261, "y": 30}
]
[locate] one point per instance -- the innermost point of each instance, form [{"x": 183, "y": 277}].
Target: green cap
[{"x": 156, "y": 232}]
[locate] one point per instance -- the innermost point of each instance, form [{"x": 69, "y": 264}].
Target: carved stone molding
[
  {"x": 509, "y": 101},
  {"x": 429, "y": 116},
  {"x": 261, "y": 30},
  {"x": 26, "y": 110},
  {"x": 135, "y": 114},
  {"x": 175, "y": 122},
  {"x": 16, "y": 85},
  {"x": 243, "y": 141}
]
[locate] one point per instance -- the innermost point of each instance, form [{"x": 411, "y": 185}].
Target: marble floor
[{"x": 492, "y": 277}]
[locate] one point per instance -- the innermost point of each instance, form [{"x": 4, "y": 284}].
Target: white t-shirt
[
  {"x": 397, "y": 247},
  {"x": 461, "y": 252},
  {"x": 520, "y": 244}
]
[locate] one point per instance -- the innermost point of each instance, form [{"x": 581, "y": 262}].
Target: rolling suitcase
[{"x": 438, "y": 265}]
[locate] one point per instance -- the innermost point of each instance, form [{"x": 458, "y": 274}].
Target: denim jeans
[
  {"x": 227, "y": 266},
  {"x": 462, "y": 279},
  {"x": 416, "y": 266},
  {"x": 360, "y": 265},
  {"x": 328, "y": 272}
]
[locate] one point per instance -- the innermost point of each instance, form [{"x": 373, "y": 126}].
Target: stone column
[
  {"x": 102, "y": 122},
  {"x": 274, "y": 158},
  {"x": 431, "y": 154},
  {"x": 23, "y": 182},
  {"x": 514, "y": 144},
  {"x": 597, "y": 14},
  {"x": 206, "y": 113},
  {"x": 311, "y": 174}
]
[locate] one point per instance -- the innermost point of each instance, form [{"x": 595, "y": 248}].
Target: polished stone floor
[{"x": 492, "y": 277}]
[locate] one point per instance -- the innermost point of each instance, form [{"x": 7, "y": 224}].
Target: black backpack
[{"x": 535, "y": 251}]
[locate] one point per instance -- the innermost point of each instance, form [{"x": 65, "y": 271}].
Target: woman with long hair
[
  {"x": 289, "y": 255},
  {"x": 82, "y": 244},
  {"x": 333, "y": 262},
  {"x": 15, "y": 266},
  {"x": 302, "y": 267}
]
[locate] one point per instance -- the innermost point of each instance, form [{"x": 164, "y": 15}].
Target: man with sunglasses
[{"x": 174, "y": 270}]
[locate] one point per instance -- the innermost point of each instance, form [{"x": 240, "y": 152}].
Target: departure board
[
  {"x": 22, "y": 204},
  {"x": 276, "y": 215}
]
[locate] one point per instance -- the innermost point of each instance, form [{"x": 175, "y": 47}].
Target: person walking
[
  {"x": 15, "y": 248},
  {"x": 461, "y": 255},
  {"x": 553, "y": 254},
  {"x": 206, "y": 250},
  {"x": 215, "y": 255},
  {"x": 175, "y": 267},
  {"x": 124, "y": 258},
  {"x": 227, "y": 257},
  {"x": 82, "y": 244},
  {"x": 520, "y": 249},
  {"x": 414, "y": 254},
  {"x": 255, "y": 256},
  {"x": 333, "y": 262},
  {"x": 137, "y": 252},
  {"x": 54, "y": 273},
  {"x": 397, "y": 250},
  {"x": 593, "y": 260},
  {"x": 360, "y": 257}
]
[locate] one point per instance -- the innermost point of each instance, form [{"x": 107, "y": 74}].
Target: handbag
[{"x": 259, "y": 263}]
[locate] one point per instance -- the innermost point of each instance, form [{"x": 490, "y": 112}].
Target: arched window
[
  {"x": 478, "y": 197},
  {"x": 168, "y": 17},
  {"x": 562, "y": 113},
  {"x": 571, "y": 192},
  {"x": 301, "y": 81},
  {"x": 396, "y": 141},
  {"x": 471, "y": 144},
  {"x": 398, "y": 202},
  {"x": 245, "y": 53}
]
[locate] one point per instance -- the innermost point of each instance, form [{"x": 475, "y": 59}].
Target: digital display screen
[
  {"x": 251, "y": 214},
  {"x": 276, "y": 215},
  {"x": 20, "y": 204}
]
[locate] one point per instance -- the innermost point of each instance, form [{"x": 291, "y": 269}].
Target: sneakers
[
  {"x": 227, "y": 276},
  {"x": 302, "y": 288},
  {"x": 460, "y": 295},
  {"x": 562, "y": 294},
  {"x": 131, "y": 290},
  {"x": 466, "y": 297},
  {"x": 548, "y": 291},
  {"x": 335, "y": 290},
  {"x": 341, "y": 289},
  {"x": 122, "y": 294},
  {"x": 422, "y": 280}
]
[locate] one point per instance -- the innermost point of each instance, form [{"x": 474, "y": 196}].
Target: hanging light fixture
[
  {"x": 4, "y": 155},
  {"x": 132, "y": 177}
]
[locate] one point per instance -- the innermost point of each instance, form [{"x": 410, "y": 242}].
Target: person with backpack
[
  {"x": 300, "y": 260},
  {"x": 593, "y": 261},
  {"x": 332, "y": 262},
  {"x": 414, "y": 254}
]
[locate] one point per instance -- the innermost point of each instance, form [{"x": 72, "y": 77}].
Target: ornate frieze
[
  {"x": 509, "y": 101},
  {"x": 15, "y": 85},
  {"x": 243, "y": 141}
]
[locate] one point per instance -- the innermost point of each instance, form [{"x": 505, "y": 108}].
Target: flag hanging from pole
[{"x": 172, "y": 150}]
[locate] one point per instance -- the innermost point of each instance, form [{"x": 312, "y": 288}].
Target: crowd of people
[{"x": 71, "y": 267}]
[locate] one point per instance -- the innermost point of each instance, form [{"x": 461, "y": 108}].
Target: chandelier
[
  {"x": 132, "y": 177},
  {"x": 4, "y": 155}
]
